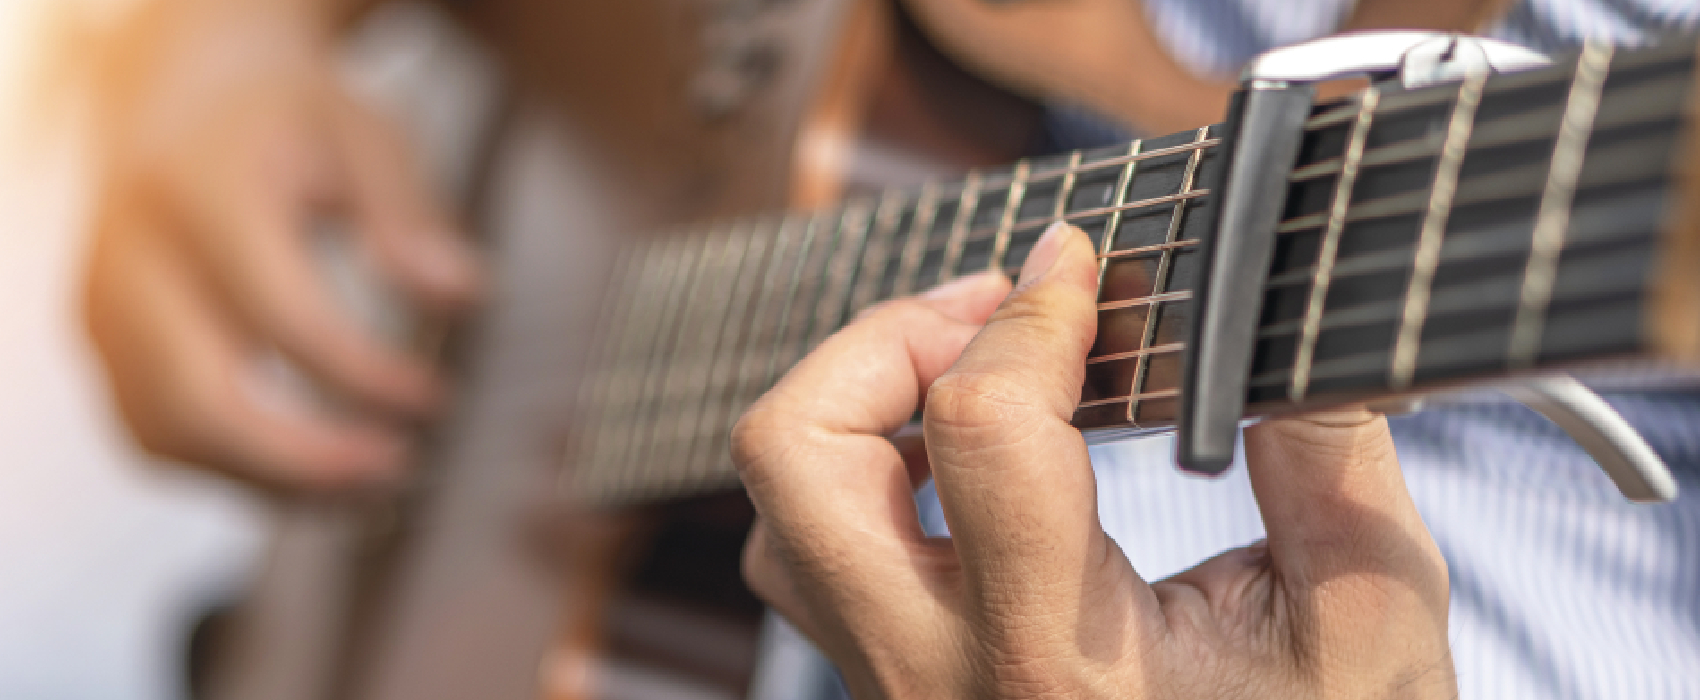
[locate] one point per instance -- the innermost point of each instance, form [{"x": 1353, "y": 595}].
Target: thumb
[{"x": 1337, "y": 511}]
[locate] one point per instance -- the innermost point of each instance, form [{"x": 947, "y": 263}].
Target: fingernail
[
  {"x": 952, "y": 289},
  {"x": 1043, "y": 256}
]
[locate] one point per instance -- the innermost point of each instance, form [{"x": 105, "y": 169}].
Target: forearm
[{"x": 164, "y": 62}]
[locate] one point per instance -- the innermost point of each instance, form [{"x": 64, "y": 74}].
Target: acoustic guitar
[
  {"x": 698, "y": 322},
  {"x": 1431, "y": 238}
]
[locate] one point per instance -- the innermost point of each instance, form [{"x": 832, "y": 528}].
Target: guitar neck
[{"x": 1431, "y": 237}]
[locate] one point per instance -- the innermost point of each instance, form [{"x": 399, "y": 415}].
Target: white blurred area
[{"x": 106, "y": 559}]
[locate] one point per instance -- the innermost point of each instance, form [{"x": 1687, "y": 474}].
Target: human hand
[
  {"x": 1030, "y": 598},
  {"x": 229, "y": 140}
]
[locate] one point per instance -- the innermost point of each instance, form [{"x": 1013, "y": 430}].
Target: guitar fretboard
[{"x": 1431, "y": 235}]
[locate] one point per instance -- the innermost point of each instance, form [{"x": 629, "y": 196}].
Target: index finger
[
  {"x": 812, "y": 452},
  {"x": 1012, "y": 473}
]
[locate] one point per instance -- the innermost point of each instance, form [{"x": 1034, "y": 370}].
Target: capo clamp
[{"x": 1260, "y": 143}]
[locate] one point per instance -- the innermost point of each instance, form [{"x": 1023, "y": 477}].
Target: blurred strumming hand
[
  {"x": 1030, "y": 598},
  {"x": 226, "y": 138}
]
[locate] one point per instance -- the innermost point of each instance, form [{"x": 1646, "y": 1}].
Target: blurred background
[
  {"x": 107, "y": 558},
  {"x": 231, "y": 464}
]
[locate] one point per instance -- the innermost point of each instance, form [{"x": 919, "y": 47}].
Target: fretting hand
[{"x": 1030, "y": 598}]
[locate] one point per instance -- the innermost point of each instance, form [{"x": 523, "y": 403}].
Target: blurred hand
[
  {"x": 228, "y": 139},
  {"x": 1346, "y": 599}
]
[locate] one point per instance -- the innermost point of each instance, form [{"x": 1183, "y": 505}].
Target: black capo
[{"x": 1259, "y": 145}]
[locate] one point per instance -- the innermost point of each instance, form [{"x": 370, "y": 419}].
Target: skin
[
  {"x": 1346, "y": 599},
  {"x": 226, "y": 137},
  {"x": 1114, "y": 61}
]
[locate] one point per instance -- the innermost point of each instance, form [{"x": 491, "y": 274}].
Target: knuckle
[
  {"x": 755, "y": 437},
  {"x": 977, "y": 401}
]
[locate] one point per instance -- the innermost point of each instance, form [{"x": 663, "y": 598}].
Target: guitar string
[{"x": 1007, "y": 226}]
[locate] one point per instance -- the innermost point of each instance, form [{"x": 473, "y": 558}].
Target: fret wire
[
  {"x": 685, "y": 387},
  {"x": 828, "y": 229},
  {"x": 623, "y": 285},
  {"x": 1553, "y": 215},
  {"x": 689, "y": 260},
  {"x": 1160, "y": 281},
  {"x": 1076, "y": 167},
  {"x": 788, "y": 300},
  {"x": 1123, "y": 182},
  {"x": 1432, "y": 233},
  {"x": 966, "y": 204},
  {"x": 734, "y": 335},
  {"x": 595, "y": 403},
  {"x": 1065, "y": 190},
  {"x": 926, "y": 206},
  {"x": 1158, "y": 350},
  {"x": 777, "y": 276},
  {"x": 682, "y": 349},
  {"x": 740, "y": 391},
  {"x": 1339, "y": 204},
  {"x": 854, "y": 225},
  {"x": 634, "y": 361},
  {"x": 806, "y": 308},
  {"x": 1152, "y": 300},
  {"x": 714, "y": 327},
  {"x": 878, "y": 252},
  {"x": 1011, "y": 208}
]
